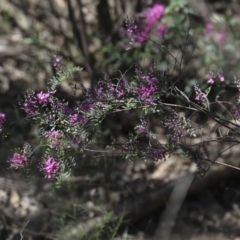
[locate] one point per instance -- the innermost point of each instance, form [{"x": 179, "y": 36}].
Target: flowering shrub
[{"x": 64, "y": 127}]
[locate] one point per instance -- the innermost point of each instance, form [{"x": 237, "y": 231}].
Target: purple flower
[
  {"x": 158, "y": 154},
  {"x": 29, "y": 104},
  {"x": 57, "y": 63},
  {"x": 200, "y": 96},
  {"x": 74, "y": 118},
  {"x": 143, "y": 128},
  {"x": 85, "y": 106},
  {"x": 161, "y": 29},
  {"x": 105, "y": 88},
  {"x": 80, "y": 141},
  {"x": 179, "y": 132},
  {"x": 236, "y": 112},
  {"x": 67, "y": 110},
  {"x": 220, "y": 76},
  {"x": 53, "y": 137},
  {"x": 121, "y": 88},
  {"x": 211, "y": 77},
  {"x": 221, "y": 38},
  {"x": 52, "y": 134},
  {"x": 153, "y": 14},
  {"x": 2, "y": 120},
  {"x": 171, "y": 123},
  {"x": 131, "y": 26},
  {"x": 43, "y": 97},
  {"x": 50, "y": 167},
  {"x": 19, "y": 161},
  {"x": 208, "y": 29},
  {"x": 147, "y": 89}
]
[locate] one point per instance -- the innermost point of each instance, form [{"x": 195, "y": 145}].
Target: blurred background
[{"x": 160, "y": 200}]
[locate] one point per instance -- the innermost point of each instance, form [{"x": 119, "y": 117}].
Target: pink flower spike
[
  {"x": 50, "y": 167},
  {"x": 154, "y": 13}
]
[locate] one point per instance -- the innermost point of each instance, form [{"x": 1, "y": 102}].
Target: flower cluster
[
  {"x": 131, "y": 26},
  {"x": 200, "y": 96},
  {"x": 54, "y": 138},
  {"x": 158, "y": 154},
  {"x": 105, "y": 88},
  {"x": 50, "y": 167},
  {"x": 19, "y": 161},
  {"x": 143, "y": 128},
  {"x": 219, "y": 37},
  {"x": 148, "y": 84},
  {"x": 212, "y": 78},
  {"x": 171, "y": 123},
  {"x": 57, "y": 63},
  {"x": 43, "y": 97},
  {"x": 150, "y": 18},
  {"x": 146, "y": 90},
  {"x": 32, "y": 101}
]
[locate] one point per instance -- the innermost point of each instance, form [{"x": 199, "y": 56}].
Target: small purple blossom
[
  {"x": 211, "y": 77},
  {"x": 121, "y": 88},
  {"x": 143, "y": 128},
  {"x": 30, "y": 103},
  {"x": 200, "y": 96},
  {"x": 105, "y": 88},
  {"x": 153, "y": 14},
  {"x": 209, "y": 29},
  {"x": 150, "y": 16},
  {"x": 221, "y": 38},
  {"x": 80, "y": 141},
  {"x": 67, "y": 110},
  {"x": 161, "y": 29},
  {"x": 236, "y": 112},
  {"x": 74, "y": 118},
  {"x": 131, "y": 26},
  {"x": 220, "y": 76},
  {"x": 57, "y": 63},
  {"x": 50, "y": 167},
  {"x": 171, "y": 123},
  {"x": 54, "y": 138},
  {"x": 52, "y": 134},
  {"x": 85, "y": 106},
  {"x": 2, "y": 120},
  {"x": 19, "y": 161},
  {"x": 179, "y": 132},
  {"x": 146, "y": 90},
  {"x": 158, "y": 155},
  {"x": 43, "y": 98}
]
